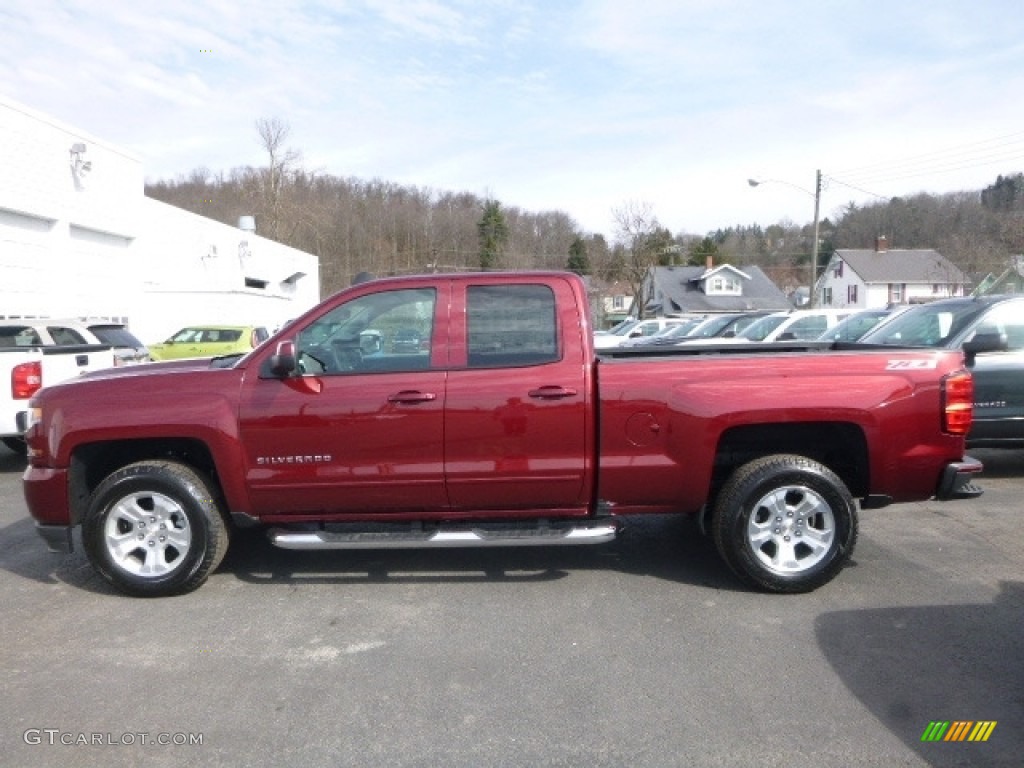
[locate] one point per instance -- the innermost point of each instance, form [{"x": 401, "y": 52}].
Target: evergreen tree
[
  {"x": 700, "y": 251},
  {"x": 579, "y": 262},
  {"x": 493, "y": 233},
  {"x": 1005, "y": 194}
]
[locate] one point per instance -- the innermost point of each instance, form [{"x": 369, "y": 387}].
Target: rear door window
[
  {"x": 64, "y": 337},
  {"x": 511, "y": 326}
]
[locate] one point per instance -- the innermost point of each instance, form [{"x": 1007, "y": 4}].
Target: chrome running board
[{"x": 416, "y": 537}]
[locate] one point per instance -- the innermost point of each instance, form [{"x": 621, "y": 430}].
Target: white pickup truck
[{"x": 25, "y": 370}]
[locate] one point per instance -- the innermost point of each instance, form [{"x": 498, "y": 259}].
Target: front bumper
[
  {"x": 46, "y": 496},
  {"x": 958, "y": 480}
]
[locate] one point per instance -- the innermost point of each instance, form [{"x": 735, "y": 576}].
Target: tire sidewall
[{"x": 172, "y": 481}]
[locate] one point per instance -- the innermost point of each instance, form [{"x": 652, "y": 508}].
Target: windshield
[
  {"x": 712, "y": 326},
  {"x": 929, "y": 325},
  {"x": 679, "y": 329},
  {"x": 623, "y": 329},
  {"x": 615, "y": 328},
  {"x": 855, "y": 326},
  {"x": 759, "y": 330},
  {"x": 116, "y": 335}
]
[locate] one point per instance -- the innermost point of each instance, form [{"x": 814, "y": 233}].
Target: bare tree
[
  {"x": 636, "y": 229},
  {"x": 275, "y": 179}
]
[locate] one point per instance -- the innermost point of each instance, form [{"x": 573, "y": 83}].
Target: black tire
[
  {"x": 785, "y": 523},
  {"x": 155, "y": 528},
  {"x": 17, "y": 444}
]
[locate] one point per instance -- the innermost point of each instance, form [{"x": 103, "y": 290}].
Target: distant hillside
[{"x": 377, "y": 226}]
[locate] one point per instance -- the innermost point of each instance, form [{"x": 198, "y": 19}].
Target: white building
[
  {"x": 871, "y": 279},
  {"x": 79, "y": 238}
]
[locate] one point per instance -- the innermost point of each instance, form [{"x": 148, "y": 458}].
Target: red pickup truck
[{"x": 502, "y": 427}]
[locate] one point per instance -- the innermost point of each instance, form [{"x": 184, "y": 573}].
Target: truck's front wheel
[
  {"x": 785, "y": 523},
  {"x": 155, "y": 528}
]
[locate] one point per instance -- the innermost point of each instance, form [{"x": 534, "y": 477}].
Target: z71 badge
[{"x": 911, "y": 365}]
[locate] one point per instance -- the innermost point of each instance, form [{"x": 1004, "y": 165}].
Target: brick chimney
[
  {"x": 881, "y": 244},
  {"x": 710, "y": 263}
]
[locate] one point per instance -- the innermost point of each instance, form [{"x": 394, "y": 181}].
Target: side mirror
[
  {"x": 283, "y": 362},
  {"x": 984, "y": 342}
]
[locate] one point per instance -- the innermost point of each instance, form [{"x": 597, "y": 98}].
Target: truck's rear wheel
[
  {"x": 155, "y": 528},
  {"x": 785, "y": 523}
]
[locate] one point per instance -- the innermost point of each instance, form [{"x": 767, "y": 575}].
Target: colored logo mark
[{"x": 958, "y": 730}]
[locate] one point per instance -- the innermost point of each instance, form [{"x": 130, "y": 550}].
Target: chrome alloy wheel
[
  {"x": 791, "y": 529},
  {"x": 147, "y": 534}
]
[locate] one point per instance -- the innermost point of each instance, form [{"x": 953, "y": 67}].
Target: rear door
[{"x": 518, "y": 398}]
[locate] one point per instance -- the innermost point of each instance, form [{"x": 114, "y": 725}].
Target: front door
[{"x": 361, "y": 429}]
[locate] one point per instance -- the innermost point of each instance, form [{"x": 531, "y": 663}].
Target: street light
[{"x": 816, "y": 194}]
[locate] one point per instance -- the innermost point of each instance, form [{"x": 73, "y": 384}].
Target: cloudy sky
[{"x": 580, "y": 106}]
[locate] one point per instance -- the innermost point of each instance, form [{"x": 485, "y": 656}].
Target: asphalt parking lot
[{"x": 644, "y": 652}]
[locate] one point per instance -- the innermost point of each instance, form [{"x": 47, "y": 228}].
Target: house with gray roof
[
  {"x": 870, "y": 279},
  {"x": 710, "y": 289}
]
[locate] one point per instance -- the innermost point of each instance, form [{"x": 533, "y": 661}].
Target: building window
[
  {"x": 618, "y": 302},
  {"x": 826, "y": 297},
  {"x": 851, "y": 294},
  {"x": 723, "y": 285},
  {"x": 895, "y": 293}
]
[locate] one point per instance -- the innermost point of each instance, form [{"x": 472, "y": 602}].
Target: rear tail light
[
  {"x": 957, "y": 403},
  {"x": 26, "y": 379}
]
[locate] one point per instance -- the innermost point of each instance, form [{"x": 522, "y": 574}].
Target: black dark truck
[{"x": 973, "y": 324}]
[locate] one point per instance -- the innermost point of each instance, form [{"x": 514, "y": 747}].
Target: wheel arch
[
  {"x": 840, "y": 446},
  {"x": 92, "y": 462}
]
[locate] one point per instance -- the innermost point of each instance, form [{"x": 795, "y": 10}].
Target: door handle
[
  {"x": 411, "y": 396},
  {"x": 552, "y": 392}
]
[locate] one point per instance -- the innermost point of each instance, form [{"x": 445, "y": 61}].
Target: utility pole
[
  {"x": 817, "y": 209},
  {"x": 814, "y": 245}
]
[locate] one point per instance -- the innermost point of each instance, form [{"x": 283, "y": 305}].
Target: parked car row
[
  {"x": 726, "y": 328},
  {"x": 191, "y": 341},
  {"x": 825, "y": 324},
  {"x": 989, "y": 329}
]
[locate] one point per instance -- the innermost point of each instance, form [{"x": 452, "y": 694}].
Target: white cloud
[{"x": 575, "y": 106}]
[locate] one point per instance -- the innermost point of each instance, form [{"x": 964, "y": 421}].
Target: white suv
[
  {"x": 635, "y": 330},
  {"x": 796, "y": 325}
]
